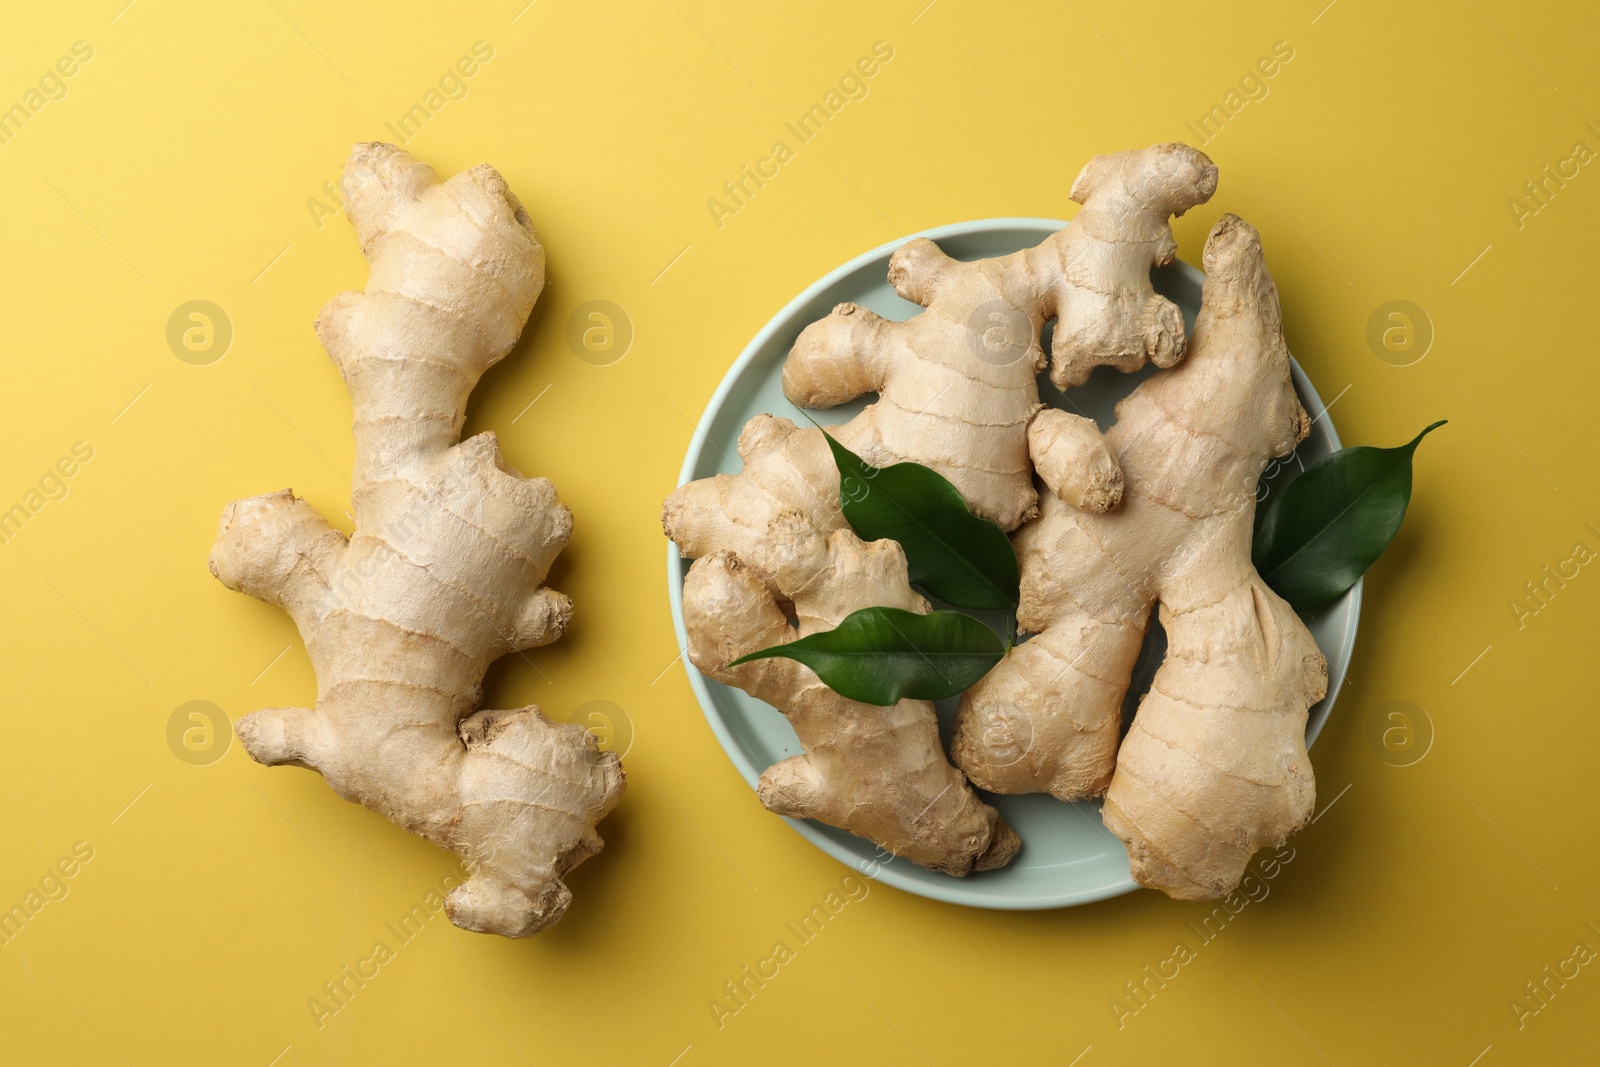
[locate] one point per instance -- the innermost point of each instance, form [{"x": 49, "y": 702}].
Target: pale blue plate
[{"x": 1067, "y": 856}]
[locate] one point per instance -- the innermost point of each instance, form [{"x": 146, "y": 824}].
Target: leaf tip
[{"x": 1426, "y": 430}]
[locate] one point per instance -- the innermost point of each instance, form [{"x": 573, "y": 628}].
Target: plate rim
[{"x": 958, "y": 891}]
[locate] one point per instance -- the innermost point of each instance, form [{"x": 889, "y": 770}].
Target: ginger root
[
  {"x": 1107, "y": 312},
  {"x": 957, "y": 392},
  {"x": 770, "y": 538},
  {"x": 956, "y": 382},
  {"x": 445, "y": 570},
  {"x": 1215, "y": 765}
]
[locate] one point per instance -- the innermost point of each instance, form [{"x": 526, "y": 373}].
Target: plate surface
[{"x": 1068, "y": 857}]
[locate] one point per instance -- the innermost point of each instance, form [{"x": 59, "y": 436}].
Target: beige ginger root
[
  {"x": 772, "y": 537},
  {"x": 956, "y": 383},
  {"x": 445, "y": 570},
  {"x": 1215, "y": 765},
  {"x": 957, "y": 392}
]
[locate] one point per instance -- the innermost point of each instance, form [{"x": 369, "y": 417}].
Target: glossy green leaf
[
  {"x": 955, "y": 555},
  {"x": 1317, "y": 537},
  {"x": 885, "y": 655}
]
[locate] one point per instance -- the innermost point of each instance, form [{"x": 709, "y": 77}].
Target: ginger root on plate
[
  {"x": 772, "y": 538},
  {"x": 956, "y": 382},
  {"x": 957, "y": 392},
  {"x": 1215, "y": 765},
  {"x": 445, "y": 570}
]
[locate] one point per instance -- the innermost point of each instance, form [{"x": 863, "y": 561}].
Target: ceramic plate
[{"x": 1068, "y": 857}]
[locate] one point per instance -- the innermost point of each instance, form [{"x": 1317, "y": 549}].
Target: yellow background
[{"x": 179, "y": 166}]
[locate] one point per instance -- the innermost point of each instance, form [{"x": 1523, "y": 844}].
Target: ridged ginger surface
[
  {"x": 957, "y": 391},
  {"x": 445, "y": 570},
  {"x": 956, "y": 383},
  {"x": 771, "y": 541},
  {"x": 1215, "y": 766}
]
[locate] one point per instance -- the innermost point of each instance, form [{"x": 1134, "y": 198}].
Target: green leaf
[
  {"x": 886, "y": 655},
  {"x": 955, "y": 555},
  {"x": 1317, "y": 537}
]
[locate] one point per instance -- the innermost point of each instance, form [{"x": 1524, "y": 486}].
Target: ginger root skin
[
  {"x": 1107, "y": 312},
  {"x": 445, "y": 570},
  {"x": 1215, "y": 766},
  {"x": 772, "y": 544},
  {"x": 1071, "y": 457},
  {"x": 957, "y": 391},
  {"x": 956, "y": 383}
]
